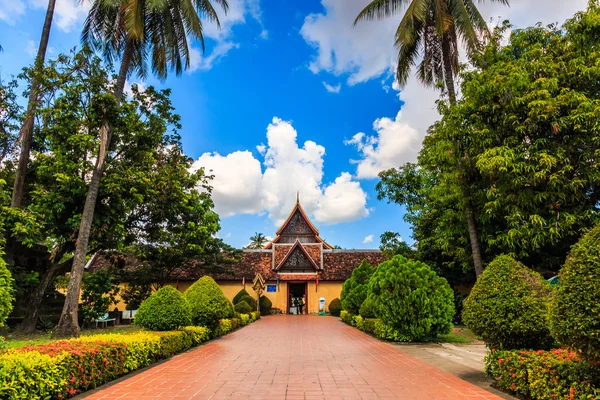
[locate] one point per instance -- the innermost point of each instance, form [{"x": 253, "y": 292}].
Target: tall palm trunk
[
  {"x": 68, "y": 325},
  {"x": 26, "y": 133},
  {"x": 462, "y": 173}
]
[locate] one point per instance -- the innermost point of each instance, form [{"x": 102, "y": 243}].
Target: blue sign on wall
[{"x": 271, "y": 288}]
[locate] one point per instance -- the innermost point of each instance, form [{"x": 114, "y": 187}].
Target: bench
[{"x": 105, "y": 320}]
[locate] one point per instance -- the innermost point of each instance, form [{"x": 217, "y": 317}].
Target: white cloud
[
  {"x": 31, "y": 49},
  {"x": 366, "y": 51},
  {"x": 10, "y": 10},
  {"x": 129, "y": 92},
  {"x": 331, "y": 88},
  {"x": 199, "y": 62},
  {"x": 242, "y": 186},
  {"x": 368, "y": 239},
  {"x": 68, "y": 14}
]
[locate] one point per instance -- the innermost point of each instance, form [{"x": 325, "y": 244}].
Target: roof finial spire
[{"x": 298, "y": 196}]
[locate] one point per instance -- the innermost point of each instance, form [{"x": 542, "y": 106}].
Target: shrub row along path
[{"x": 293, "y": 357}]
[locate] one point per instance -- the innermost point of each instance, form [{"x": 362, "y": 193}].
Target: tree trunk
[
  {"x": 26, "y": 133},
  {"x": 68, "y": 325},
  {"x": 462, "y": 173},
  {"x": 35, "y": 300}
]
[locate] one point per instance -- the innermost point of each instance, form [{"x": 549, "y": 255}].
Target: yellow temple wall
[{"x": 328, "y": 290}]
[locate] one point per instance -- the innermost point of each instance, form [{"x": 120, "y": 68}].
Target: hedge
[
  {"x": 541, "y": 374},
  {"x": 374, "y": 326},
  {"x": 575, "y": 311},
  {"x": 6, "y": 291},
  {"x": 62, "y": 369},
  {"x": 335, "y": 307},
  {"x": 207, "y": 302},
  {"x": 251, "y": 302},
  {"x": 165, "y": 310},
  {"x": 508, "y": 306}
]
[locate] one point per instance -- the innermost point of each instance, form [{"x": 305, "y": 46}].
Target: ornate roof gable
[
  {"x": 297, "y": 259},
  {"x": 298, "y": 223}
]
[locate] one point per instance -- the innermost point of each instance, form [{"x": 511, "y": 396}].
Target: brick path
[{"x": 294, "y": 357}]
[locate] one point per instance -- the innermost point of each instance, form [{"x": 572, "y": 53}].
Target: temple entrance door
[{"x": 297, "y": 298}]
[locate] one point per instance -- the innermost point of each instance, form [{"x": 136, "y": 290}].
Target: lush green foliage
[
  {"x": 99, "y": 291},
  {"x": 257, "y": 241},
  {"x": 526, "y": 122},
  {"x": 207, "y": 302},
  {"x": 354, "y": 289},
  {"x": 367, "y": 309},
  {"x": 239, "y": 295},
  {"x": 335, "y": 307},
  {"x": 242, "y": 307},
  {"x": 544, "y": 375},
  {"x": 250, "y": 301},
  {"x": 393, "y": 245},
  {"x": 410, "y": 298},
  {"x": 265, "y": 305},
  {"x": 575, "y": 312},
  {"x": 6, "y": 291},
  {"x": 64, "y": 368},
  {"x": 508, "y": 306},
  {"x": 166, "y": 309},
  {"x": 346, "y": 317}
]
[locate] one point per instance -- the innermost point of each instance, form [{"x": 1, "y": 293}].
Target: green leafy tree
[
  {"x": 508, "y": 306},
  {"x": 431, "y": 30},
  {"x": 409, "y": 297},
  {"x": 99, "y": 291},
  {"x": 257, "y": 241},
  {"x": 354, "y": 289},
  {"x": 131, "y": 29},
  {"x": 6, "y": 291},
  {"x": 393, "y": 245}
]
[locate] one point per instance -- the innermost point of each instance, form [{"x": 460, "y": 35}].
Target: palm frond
[{"x": 379, "y": 9}]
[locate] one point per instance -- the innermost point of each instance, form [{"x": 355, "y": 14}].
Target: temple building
[{"x": 296, "y": 264}]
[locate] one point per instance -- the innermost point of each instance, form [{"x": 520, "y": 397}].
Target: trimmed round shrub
[
  {"x": 265, "y": 305},
  {"x": 367, "y": 309},
  {"x": 250, "y": 301},
  {"x": 508, "y": 306},
  {"x": 410, "y": 298},
  {"x": 165, "y": 310},
  {"x": 335, "y": 307},
  {"x": 207, "y": 302},
  {"x": 575, "y": 310},
  {"x": 242, "y": 307},
  {"x": 239, "y": 295},
  {"x": 354, "y": 289},
  {"x": 6, "y": 291}
]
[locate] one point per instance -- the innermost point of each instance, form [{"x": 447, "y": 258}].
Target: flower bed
[
  {"x": 61, "y": 369},
  {"x": 540, "y": 375}
]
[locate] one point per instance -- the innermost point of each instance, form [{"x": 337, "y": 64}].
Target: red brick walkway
[{"x": 294, "y": 357}]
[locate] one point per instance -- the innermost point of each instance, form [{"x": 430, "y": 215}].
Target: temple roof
[
  {"x": 298, "y": 209},
  {"x": 293, "y": 248}
]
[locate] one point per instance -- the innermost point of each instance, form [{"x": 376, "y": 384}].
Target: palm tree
[
  {"x": 135, "y": 30},
  {"x": 431, "y": 29},
  {"x": 26, "y": 133},
  {"x": 257, "y": 241}
]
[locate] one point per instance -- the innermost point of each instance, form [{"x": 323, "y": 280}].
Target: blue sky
[{"x": 288, "y": 97}]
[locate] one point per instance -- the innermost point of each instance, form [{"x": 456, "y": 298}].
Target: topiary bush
[
  {"x": 242, "y": 307},
  {"x": 367, "y": 309},
  {"x": 508, "y": 306},
  {"x": 575, "y": 310},
  {"x": 239, "y": 295},
  {"x": 6, "y": 291},
  {"x": 207, "y": 302},
  {"x": 354, "y": 289},
  {"x": 250, "y": 301},
  {"x": 411, "y": 299},
  {"x": 165, "y": 310},
  {"x": 265, "y": 305},
  {"x": 335, "y": 307}
]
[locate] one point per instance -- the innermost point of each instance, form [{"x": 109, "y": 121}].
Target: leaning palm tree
[
  {"x": 257, "y": 241},
  {"x": 141, "y": 32},
  {"x": 431, "y": 29},
  {"x": 26, "y": 134}
]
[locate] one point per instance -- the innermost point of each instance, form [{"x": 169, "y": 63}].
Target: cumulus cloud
[
  {"x": 242, "y": 184},
  {"x": 11, "y": 9},
  {"x": 332, "y": 88},
  {"x": 68, "y": 14},
  {"x": 366, "y": 51},
  {"x": 368, "y": 239}
]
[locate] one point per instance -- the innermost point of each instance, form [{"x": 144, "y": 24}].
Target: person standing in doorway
[
  {"x": 301, "y": 305},
  {"x": 296, "y": 304}
]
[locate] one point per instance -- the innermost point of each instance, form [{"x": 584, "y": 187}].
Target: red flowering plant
[
  {"x": 539, "y": 374},
  {"x": 87, "y": 364}
]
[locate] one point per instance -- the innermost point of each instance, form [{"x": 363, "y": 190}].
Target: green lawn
[
  {"x": 15, "y": 339},
  {"x": 459, "y": 335}
]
